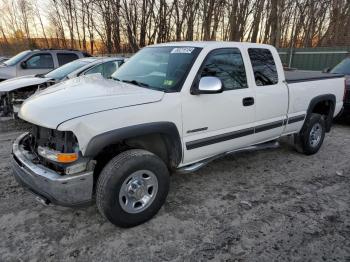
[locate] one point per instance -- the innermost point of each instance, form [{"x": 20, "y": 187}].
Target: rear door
[
  {"x": 64, "y": 58},
  {"x": 216, "y": 123},
  {"x": 271, "y": 94}
]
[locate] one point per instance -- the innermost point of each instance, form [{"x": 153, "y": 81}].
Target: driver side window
[
  {"x": 40, "y": 61},
  {"x": 226, "y": 64}
]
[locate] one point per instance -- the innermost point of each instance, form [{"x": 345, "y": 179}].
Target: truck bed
[{"x": 297, "y": 76}]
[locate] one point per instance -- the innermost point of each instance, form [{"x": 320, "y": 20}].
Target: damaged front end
[
  {"x": 48, "y": 162},
  {"x": 10, "y": 102},
  {"x": 5, "y": 104}
]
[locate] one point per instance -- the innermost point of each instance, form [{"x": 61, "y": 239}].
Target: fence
[{"x": 313, "y": 58}]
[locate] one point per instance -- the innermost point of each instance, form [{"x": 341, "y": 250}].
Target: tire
[
  {"x": 116, "y": 196},
  {"x": 312, "y": 134}
]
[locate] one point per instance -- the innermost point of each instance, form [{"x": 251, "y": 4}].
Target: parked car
[
  {"x": 170, "y": 108},
  {"x": 14, "y": 91},
  {"x": 344, "y": 68},
  {"x": 41, "y": 61}
]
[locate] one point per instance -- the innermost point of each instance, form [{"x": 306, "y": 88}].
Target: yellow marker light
[
  {"x": 56, "y": 156},
  {"x": 67, "y": 158}
]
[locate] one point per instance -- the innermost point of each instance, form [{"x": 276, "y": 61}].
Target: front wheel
[
  {"x": 132, "y": 188},
  {"x": 312, "y": 135}
]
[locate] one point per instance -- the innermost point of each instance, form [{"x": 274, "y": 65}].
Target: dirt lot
[{"x": 272, "y": 205}]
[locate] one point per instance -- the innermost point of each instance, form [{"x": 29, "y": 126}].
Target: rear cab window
[
  {"x": 264, "y": 66},
  {"x": 64, "y": 58},
  {"x": 226, "y": 64}
]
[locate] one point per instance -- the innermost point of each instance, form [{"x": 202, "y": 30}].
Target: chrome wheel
[
  {"x": 138, "y": 191},
  {"x": 315, "y": 135}
]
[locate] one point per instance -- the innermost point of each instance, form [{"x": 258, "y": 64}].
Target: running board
[{"x": 196, "y": 166}]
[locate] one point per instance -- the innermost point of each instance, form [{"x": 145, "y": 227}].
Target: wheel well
[
  {"x": 322, "y": 107},
  {"x": 157, "y": 143},
  {"x": 325, "y": 108}
]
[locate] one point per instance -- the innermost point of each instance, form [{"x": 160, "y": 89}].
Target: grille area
[{"x": 62, "y": 141}]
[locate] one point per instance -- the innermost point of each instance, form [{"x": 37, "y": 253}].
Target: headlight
[{"x": 56, "y": 156}]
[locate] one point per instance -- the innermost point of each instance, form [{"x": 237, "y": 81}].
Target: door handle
[{"x": 248, "y": 101}]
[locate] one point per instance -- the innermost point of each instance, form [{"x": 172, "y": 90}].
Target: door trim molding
[
  {"x": 295, "y": 119},
  {"x": 241, "y": 133},
  {"x": 219, "y": 138}
]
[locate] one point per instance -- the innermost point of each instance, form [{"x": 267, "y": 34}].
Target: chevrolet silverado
[{"x": 171, "y": 108}]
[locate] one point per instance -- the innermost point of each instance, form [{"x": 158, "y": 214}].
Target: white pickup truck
[{"x": 171, "y": 108}]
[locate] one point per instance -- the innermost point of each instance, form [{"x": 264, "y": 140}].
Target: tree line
[{"x": 120, "y": 26}]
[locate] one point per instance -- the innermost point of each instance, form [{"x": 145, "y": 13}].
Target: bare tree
[{"x": 115, "y": 26}]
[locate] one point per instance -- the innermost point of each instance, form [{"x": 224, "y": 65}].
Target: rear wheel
[
  {"x": 312, "y": 134},
  {"x": 132, "y": 188}
]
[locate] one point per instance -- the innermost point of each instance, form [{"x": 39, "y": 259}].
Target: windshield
[
  {"x": 161, "y": 68},
  {"x": 14, "y": 60},
  {"x": 342, "y": 68},
  {"x": 66, "y": 69}
]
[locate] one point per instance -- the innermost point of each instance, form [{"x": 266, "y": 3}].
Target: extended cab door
[
  {"x": 271, "y": 93},
  {"x": 216, "y": 123}
]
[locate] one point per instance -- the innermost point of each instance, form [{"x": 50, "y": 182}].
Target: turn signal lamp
[{"x": 63, "y": 158}]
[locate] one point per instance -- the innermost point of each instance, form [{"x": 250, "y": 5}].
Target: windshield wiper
[
  {"x": 114, "y": 78},
  {"x": 134, "y": 82}
]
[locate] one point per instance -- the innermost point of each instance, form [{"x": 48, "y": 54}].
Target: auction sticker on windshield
[{"x": 182, "y": 50}]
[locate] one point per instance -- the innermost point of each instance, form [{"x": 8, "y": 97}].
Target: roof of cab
[{"x": 212, "y": 44}]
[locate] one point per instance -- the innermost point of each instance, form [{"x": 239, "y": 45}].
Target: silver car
[
  {"x": 40, "y": 61},
  {"x": 14, "y": 91}
]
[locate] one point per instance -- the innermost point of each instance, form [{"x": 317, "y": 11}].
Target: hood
[
  {"x": 7, "y": 72},
  {"x": 19, "y": 82},
  {"x": 82, "y": 96}
]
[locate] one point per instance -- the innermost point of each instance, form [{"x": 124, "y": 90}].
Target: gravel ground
[{"x": 271, "y": 205}]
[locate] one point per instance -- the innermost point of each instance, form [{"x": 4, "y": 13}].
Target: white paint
[{"x": 91, "y": 106}]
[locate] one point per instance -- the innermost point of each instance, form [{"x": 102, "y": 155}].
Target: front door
[
  {"x": 216, "y": 123},
  {"x": 36, "y": 64}
]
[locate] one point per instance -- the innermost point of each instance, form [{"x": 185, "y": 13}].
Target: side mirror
[
  {"x": 326, "y": 70},
  {"x": 209, "y": 85},
  {"x": 24, "y": 64}
]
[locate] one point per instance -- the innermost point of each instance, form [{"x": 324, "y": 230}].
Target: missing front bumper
[{"x": 68, "y": 190}]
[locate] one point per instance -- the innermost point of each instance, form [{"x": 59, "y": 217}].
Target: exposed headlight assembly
[{"x": 56, "y": 156}]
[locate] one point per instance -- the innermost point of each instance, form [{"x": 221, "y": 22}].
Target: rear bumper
[{"x": 67, "y": 190}]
